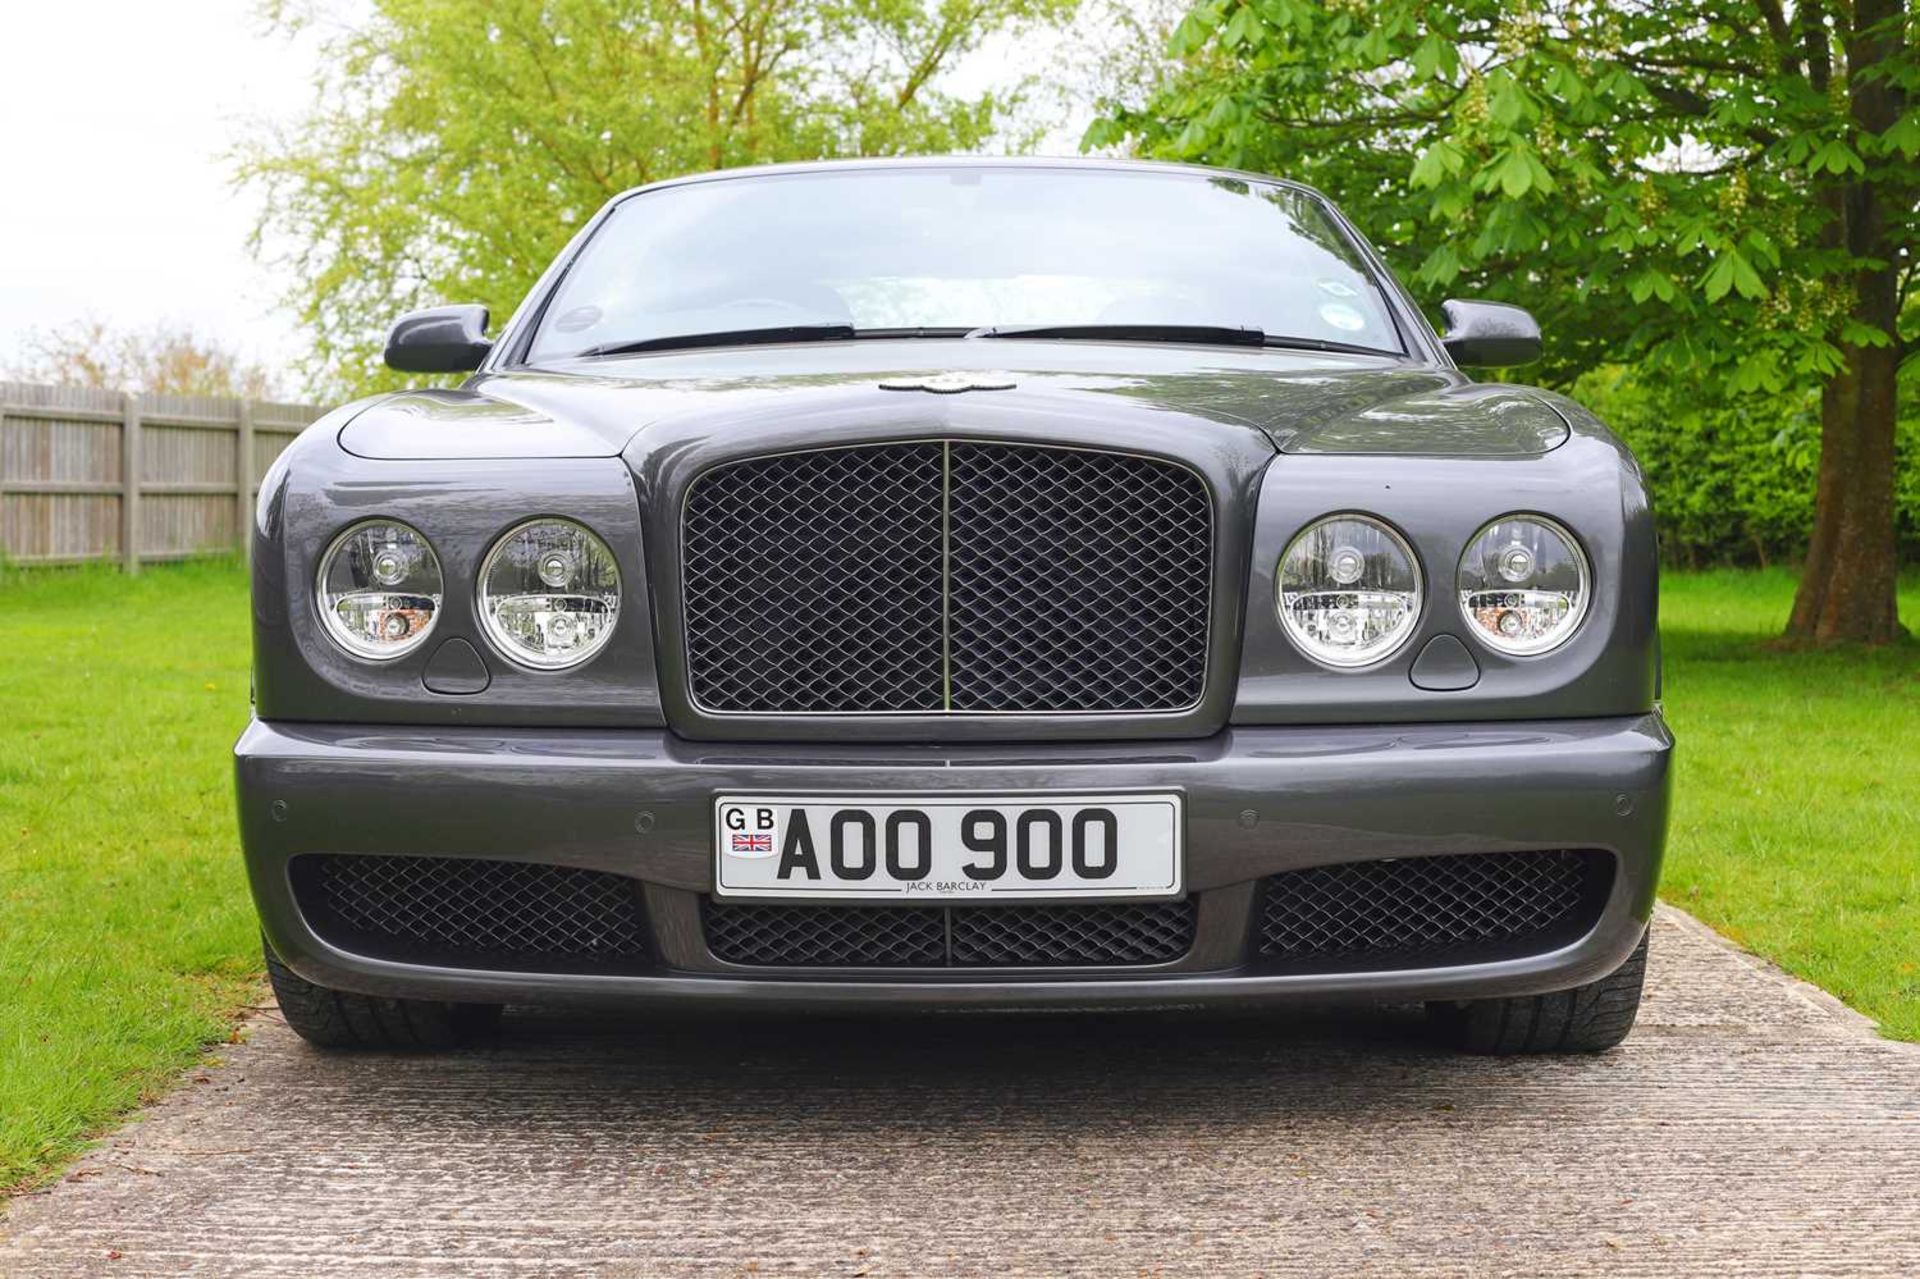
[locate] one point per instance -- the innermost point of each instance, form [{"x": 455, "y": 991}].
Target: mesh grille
[
  {"x": 827, "y": 936},
  {"x": 1434, "y": 909},
  {"x": 1131, "y": 934},
  {"x": 813, "y": 582},
  {"x": 937, "y": 936},
  {"x": 1078, "y": 582},
  {"x": 473, "y": 913},
  {"x": 938, "y": 576}
]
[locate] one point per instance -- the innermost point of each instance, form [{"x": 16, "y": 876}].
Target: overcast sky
[{"x": 119, "y": 113}]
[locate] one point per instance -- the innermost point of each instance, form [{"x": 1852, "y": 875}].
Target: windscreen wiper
[
  {"x": 730, "y": 337},
  {"x": 1203, "y": 334},
  {"x": 1324, "y": 344},
  {"x": 1199, "y": 334}
]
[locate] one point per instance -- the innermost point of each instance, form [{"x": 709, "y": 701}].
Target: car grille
[
  {"x": 473, "y": 913},
  {"x": 939, "y": 937},
  {"x": 947, "y": 577},
  {"x": 1432, "y": 910}
]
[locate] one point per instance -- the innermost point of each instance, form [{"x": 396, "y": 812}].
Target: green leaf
[
  {"x": 1854, "y": 333},
  {"x": 1436, "y": 164},
  {"x": 1241, "y": 27},
  {"x": 1758, "y": 372},
  {"x": 1436, "y": 58},
  {"x": 1651, "y": 282},
  {"x": 1192, "y": 33},
  {"x": 1514, "y": 172},
  {"x": 1442, "y": 265},
  {"x": 1506, "y": 100},
  {"x": 1904, "y": 135},
  {"x": 1731, "y": 272},
  {"x": 1835, "y": 156}
]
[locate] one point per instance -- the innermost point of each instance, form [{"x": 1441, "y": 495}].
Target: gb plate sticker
[{"x": 750, "y": 830}]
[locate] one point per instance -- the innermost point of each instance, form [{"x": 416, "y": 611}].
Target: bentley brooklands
[{"x": 958, "y": 584}]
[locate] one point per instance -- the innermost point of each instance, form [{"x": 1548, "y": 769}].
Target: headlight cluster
[
  {"x": 549, "y": 592},
  {"x": 1349, "y": 591},
  {"x": 379, "y": 590},
  {"x": 1523, "y": 585}
]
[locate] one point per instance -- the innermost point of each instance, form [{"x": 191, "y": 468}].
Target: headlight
[
  {"x": 549, "y": 594},
  {"x": 1524, "y": 585},
  {"x": 1349, "y": 590},
  {"x": 379, "y": 589}
]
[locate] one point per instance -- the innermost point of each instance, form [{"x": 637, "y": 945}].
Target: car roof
[{"x": 1085, "y": 163}]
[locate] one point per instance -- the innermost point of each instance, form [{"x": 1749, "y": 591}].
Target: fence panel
[{"x": 89, "y": 474}]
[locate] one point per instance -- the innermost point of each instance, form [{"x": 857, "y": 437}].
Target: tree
[
  {"x": 456, "y": 146},
  {"x": 1724, "y": 192},
  {"x": 169, "y": 358}
]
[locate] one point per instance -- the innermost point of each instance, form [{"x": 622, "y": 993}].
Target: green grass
[
  {"x": 126, "y": 936},
  {"x": 127, "y": 941},
  {"x": 1796, "y": 825}
]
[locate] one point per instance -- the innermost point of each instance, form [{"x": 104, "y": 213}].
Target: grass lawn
[
  {"x": 126, "y": 933},
  {"x": 1796, "y": 825},
  {"x": 127, "y": 940}
]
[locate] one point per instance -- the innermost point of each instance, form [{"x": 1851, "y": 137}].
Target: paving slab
[{"x": 1752, "y": 1126}]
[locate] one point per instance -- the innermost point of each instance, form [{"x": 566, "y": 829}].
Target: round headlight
[
  {"x": 379, "y": 589},
  {"x": 1349, "y": 590},
  {"x": 549, "y": 594},
  {"x": 1524, "y": 585}
]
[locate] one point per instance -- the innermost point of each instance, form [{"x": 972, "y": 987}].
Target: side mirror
[
  {"x": 441, "y": 339},
  {"x": 1489, "y": 335}
]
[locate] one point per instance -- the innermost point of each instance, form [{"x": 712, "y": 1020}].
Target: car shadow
[{"x": 1046, "y": 1072}]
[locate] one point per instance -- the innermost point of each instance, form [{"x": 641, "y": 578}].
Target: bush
[{"x": 1733, "y": 481}]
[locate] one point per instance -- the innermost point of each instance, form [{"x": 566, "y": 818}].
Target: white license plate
[{"x": 948, "y": 846}]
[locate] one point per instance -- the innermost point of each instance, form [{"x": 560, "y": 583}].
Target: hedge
[{"x": 1733, "y": 482}]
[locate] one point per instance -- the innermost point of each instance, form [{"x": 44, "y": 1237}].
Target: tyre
[
  {"x": 1587, "y": 1019},
  {"x": 328, "y": 1018}
]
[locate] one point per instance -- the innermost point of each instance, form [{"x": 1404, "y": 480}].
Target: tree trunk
[{"x": 1848, "y": 589}]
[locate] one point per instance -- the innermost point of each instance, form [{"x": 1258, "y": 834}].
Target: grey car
[{"x": 958, "y": 584}]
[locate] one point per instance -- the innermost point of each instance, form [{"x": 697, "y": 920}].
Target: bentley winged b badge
[{"x": 950, "y": 383}]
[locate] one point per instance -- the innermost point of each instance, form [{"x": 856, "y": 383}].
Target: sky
[{"x": 119, "y": 114}]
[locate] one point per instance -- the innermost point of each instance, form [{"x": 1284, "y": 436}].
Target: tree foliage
[
  {"x": 167, "y": 358},
  {"x": 1721, "y": 193},
  {"x": 455, "y": 146}
]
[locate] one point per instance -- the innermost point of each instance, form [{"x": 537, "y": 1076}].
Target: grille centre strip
[{"x": 944, "y": 577}]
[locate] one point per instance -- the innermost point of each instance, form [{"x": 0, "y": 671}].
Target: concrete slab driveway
[{"x": 1752, "y": 1126}]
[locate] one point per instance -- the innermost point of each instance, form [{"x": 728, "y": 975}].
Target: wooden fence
[{"x": 88, "y": 474}]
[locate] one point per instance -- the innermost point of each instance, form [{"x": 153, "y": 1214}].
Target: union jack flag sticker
[{"x": 750, "y": 845}]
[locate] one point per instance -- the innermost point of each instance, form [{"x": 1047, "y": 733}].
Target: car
[{"x": 958, "y": 584}]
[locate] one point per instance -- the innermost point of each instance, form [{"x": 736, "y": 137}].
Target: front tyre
[
  {"x": 328, "y": 1018},
  {"x": 1587, "y": 1019}
]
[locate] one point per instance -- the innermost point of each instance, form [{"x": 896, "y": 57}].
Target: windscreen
[{"x": 964, "y": 248}]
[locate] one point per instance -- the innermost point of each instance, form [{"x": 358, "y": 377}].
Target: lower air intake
[
  {"x": 474, "y": 913},
  {"x": 1429, "y": 911},
  {"x": 949, "y": 937}
]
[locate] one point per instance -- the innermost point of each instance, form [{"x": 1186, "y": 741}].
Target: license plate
[{"x": 949, "y": 846}]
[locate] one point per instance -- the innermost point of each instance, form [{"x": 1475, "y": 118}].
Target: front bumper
[{"x": 1259, "y": 801}]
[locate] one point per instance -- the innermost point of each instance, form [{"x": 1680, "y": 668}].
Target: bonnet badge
[{"x": 950, "y": 383}]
